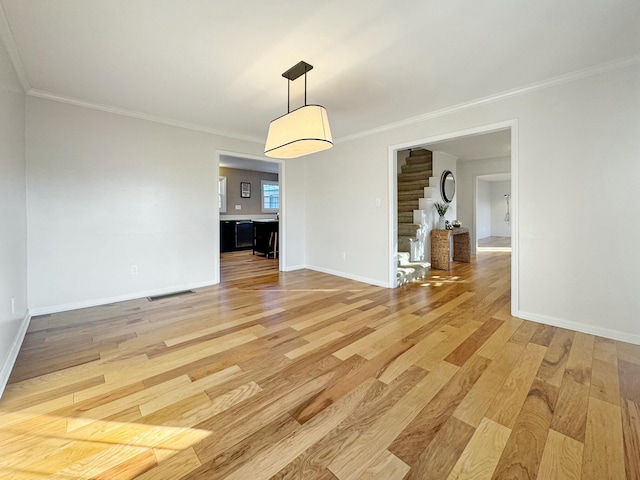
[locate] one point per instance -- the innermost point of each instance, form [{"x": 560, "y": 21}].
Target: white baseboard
[
  {"x": 14, "y": 349},
  {"x": 580, "y": 327},
  {"x": 118, "y": 298},
  {"x": 357, "y": 278},
  {"x": 293, "y": 268}
]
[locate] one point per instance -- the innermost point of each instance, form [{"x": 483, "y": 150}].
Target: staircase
[
  {"x": 414, "y": 201},
  {"x": 412, "y": 180}
]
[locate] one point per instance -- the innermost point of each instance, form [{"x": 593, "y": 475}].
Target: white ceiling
[{"x": 218, "y": 64}]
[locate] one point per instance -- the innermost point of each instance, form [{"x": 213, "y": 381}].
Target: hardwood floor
[
  {"x": 493, "y": 243},
  {"x": 243, "y": 264},
  {"x": 302, "y": 375}
]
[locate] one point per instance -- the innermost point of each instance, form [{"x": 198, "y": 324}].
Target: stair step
[
  {"x": 405, "y": 217},
  {"x": 411, "y": 185},
  {"x": 404, "y": 245},
  {"x": 417, "y": 160},
  {"x": 423, "y": 176},
  {"x": 407, "y": 209},
  {"x": 417, "y": 167},
  {"x": 420, "y": 152},
  {"x": 410, "y": 194},
  {"x": 407, "y": 229}
]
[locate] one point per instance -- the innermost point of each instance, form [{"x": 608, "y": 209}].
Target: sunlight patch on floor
[{"x": 93, "y": 450}]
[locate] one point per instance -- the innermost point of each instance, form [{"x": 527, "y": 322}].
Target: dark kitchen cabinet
[{"x": 235, "y": 235}]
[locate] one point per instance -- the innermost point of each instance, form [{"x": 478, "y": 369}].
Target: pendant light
[{"x": 302, "y": 131}]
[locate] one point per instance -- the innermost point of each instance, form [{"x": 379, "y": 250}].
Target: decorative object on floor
[
  {"x": 447, "y": 186},
  {"x": 245, "y": 190},
  {"x": 441, "y": 208},
  {"x": 302, "y": 131},
  {"x": 409, "y": 270}
]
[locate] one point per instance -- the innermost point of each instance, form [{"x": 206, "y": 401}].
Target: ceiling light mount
[{"x": 302, "y": 131}]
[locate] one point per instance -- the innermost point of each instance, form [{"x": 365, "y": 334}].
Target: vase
[{"x": 441, "y": 223}]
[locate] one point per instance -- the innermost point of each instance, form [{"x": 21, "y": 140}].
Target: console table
[{"x": 448, "y": 244}]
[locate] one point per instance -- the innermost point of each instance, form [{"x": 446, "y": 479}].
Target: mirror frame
[{"x": 443, "y": 179}]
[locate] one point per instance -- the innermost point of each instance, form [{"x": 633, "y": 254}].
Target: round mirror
[{"x": 447, "y": 186}]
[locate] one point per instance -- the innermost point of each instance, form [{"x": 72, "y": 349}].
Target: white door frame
[
  {"x": 282, "y": 238},
  {"x": 512, "y": 125}
]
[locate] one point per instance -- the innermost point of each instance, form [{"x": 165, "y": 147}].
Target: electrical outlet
[
  {"x": 134, "y": 269},
  {"x": 238, "y": 207},
  {"x": 378, "y": 202},
  {"x": 344, "y": 255},
  {"x": 13, "y": 304}
]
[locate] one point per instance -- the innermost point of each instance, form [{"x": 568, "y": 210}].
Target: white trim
[
  {"x": 357, "y": 278},
  {"x": 580, "y": 327},
  {"x": 140, "y": 115},
  {"x": 222, "y": 192},
  {"x": 569, "y": 77},
  {"x": 12, "y": 355},
  {"x": 514, "y": 217},
  {"x": 65, "y": 307},
  {"x": 294, "y": 267},
  {"x": 12, "y": 50},
  {"x": 392, "y": 244}
]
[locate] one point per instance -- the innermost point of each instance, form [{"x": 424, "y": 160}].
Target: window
[
  {"x": 222, "y": 194},
  {"x": 270, "y": 196}
]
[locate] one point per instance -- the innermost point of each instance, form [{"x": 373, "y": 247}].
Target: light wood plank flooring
[
  {"x": 494, "y": 244},
  {"x": 302, "y": 375},
  {"x": 243, "y": 264}
]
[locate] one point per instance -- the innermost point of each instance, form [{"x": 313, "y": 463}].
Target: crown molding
[
  {"x": 569, "y": 77},
  {"x": 10, "y": 45},
  {"x": 140, "y": 115}
]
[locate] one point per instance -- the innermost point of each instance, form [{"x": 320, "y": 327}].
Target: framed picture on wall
[{"x": 245, "y": 190}]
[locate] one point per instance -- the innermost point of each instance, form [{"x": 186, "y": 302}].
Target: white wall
[
  {"x": 483, "y": 209},
  {"x": 572, "y": 270},
  {"x": 341, "y": 211},
  {"x": 13, "y": 220},
  {"x": 499, "y": 228},
  {"x": 294, "y": 214},
  {"x": 106, "y": 192},
  {"x": 443, "y": 161}
]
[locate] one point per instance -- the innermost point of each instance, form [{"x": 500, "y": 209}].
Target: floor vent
[{"x": 169, "y": 295}]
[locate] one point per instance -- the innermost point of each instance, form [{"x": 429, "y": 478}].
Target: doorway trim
[
  {"x": 512, "y": 125},
  {"x": 282, "y": 237}
]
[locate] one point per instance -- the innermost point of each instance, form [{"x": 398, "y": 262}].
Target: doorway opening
[
  {"x": 250, "y": 200},
  {"x": 493, "y": 212},
  {"x": 486, "y": 151}
]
